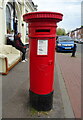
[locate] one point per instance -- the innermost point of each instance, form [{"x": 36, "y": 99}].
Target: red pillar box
[{"x": 42, "y": 33}]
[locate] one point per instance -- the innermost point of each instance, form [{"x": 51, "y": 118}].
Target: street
[
  {"x": 15, "y": 89},
  {"x": 35, "y": 75}
]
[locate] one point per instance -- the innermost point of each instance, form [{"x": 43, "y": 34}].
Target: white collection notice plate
[{"x": 42, "y": 47}]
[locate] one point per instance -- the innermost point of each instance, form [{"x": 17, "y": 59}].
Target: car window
[{"x": 65, "y": 38}]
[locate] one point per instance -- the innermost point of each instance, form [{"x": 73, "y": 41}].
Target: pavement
[
  {"x": 71, "y": 71},
  {"x": 67, "y": 90}
]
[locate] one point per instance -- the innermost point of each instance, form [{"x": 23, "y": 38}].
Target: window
[
  {"x": 8, "y": 18},
  {"x": 11, "y": 22}
]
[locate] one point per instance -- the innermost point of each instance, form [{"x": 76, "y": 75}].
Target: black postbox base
[{"x": 41, "y": 102}]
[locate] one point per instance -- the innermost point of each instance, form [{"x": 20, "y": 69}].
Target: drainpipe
[{"x": 14, "y": 17}]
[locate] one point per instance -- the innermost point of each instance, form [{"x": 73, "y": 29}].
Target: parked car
[
  {"x": 76, "y": 40},
  {"x": 64, "y": 43},
  {"x": 81, "y": 41}
]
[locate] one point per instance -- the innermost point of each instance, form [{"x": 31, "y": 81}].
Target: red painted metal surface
[{"x": 42, "y": 26}]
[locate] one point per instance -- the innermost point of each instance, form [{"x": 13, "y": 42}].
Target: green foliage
[
  {"x": 33, "y": 111},
  {"x": 60, "y": 31}
]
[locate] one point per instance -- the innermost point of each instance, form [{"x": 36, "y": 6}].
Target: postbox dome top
[{"x": 42, "y": 15}]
